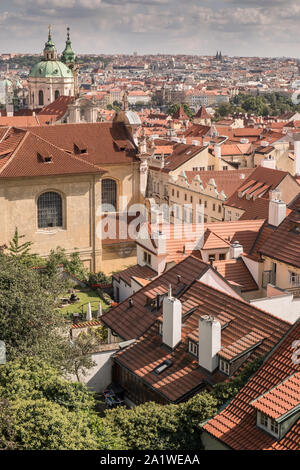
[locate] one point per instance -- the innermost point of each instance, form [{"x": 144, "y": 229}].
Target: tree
[
  {"x": 47, "y": 412},
  {"x": 17, "y": 249},
  {"x": 163, "y": 427},
  {"x": 78, "y": 356},
  {"x": 174, "y": 108},
  {"x": 29, "y": 321},
  {"x": 22, "y": 250}
]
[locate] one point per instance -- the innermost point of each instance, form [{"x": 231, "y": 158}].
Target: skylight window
[{"x": 163, "y": 366}]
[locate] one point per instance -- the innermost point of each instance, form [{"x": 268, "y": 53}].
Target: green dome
[{"x": 50, "y": 68}]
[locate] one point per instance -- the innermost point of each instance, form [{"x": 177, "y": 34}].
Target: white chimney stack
[
  {"x": 235, "y": 250},
  {"x": 277, "y": 208},
  {"x": 218, "y": 151},
  {"x": 160, "y": 241},
  {"x": 209, "y": 342},
  {"x": 172, "y": 319},
  {"x": 297, "y": 154}
]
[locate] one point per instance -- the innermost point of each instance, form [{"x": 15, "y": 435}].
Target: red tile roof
[
  {"x": 202, "y": 113},
  {"x": 180, "y": 114},
  {"x": 275, "y": 389},
  {"x": 106, "y": 142},
  {"x": 253, "y": 194},
  {"x": 283, "y": 244},
  {"x": 27, "y": 158},
  {"x": 143, "y": 274},
  {"x": 57, "y": 108},
  {"x": 281, "y": 399},
  {"x": 245, "y": 329},
  {"x": 237, "y": 273},
  {"x": 227, "y": 181},
  {"x": 133, "y": 322}
]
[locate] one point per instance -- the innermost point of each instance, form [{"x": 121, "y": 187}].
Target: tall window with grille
[
  {"x": 49, "y": 207},
  {"x": 109, "y": 195}
]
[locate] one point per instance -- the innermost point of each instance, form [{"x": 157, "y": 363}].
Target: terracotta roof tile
[
  {"x": 184, "y": 376},
  {"x": 236, "y": 272},
  {"x": 283, "y": 244},
  {"x": 28, "y": 159},
  {"x": 275, "y": 389}
]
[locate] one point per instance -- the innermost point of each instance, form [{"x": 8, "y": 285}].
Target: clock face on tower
[{"x": 2, "y": 352}]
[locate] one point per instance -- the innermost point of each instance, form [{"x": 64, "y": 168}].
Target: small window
[
  {"x": 222, "y": 256},
  {"x": 41, "y": 98},
  {"x": 225, "y": 168},
  {"x": 177, "y": 193},
  {"x": 205, "y": 204},
  {"x": 224, "y": 366},
  {"x": 294, "y": 279},
  {"x": 220, "y": 209},
  {"x": 173, "y": 192},
  {"x": 193, "y": 348},
  {"x": 211, "y": 258},
  {"x": 185, "y": 197},
  {"x": 264, "y": 420},
  {"x": 214, "y": 207},
  {"x": 191, "y": 198},
  {"x": 147, "y": 258}
]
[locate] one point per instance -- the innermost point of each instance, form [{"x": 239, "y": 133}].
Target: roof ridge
[{"x": 247, "y": 303}]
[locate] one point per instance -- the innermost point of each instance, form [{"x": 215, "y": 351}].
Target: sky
[{"x": 237, "y": 27}]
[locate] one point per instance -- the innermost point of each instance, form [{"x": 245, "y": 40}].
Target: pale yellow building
[{"x": 53, "y": 180}]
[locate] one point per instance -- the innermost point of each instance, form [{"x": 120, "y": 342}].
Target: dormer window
[
  {"x": 224, "y": 366},
  {"x": 268, "y": 424},
  {"x": 193, "y": 348}
]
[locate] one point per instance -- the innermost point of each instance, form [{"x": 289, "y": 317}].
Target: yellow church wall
[{"x": 18, "y": 204}]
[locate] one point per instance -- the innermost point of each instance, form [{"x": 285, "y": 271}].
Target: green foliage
[
  {"x": 162, "y": 427},
  {"x": 99, "y": 278},
  {"x": 22, "y": 250},
  {"x": 19, "y": 249},
  {"x": 78, "y": 357},
  {"x": 29, "y": 322},
  {"x": 72, "y": 265},
  {"x": 174, "y": 108},
  {"x": 225, "y": 391},
  {"x": 273, "y": 104},
  {"x": 43, "y": 411}
]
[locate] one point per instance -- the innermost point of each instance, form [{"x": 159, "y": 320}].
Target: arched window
[
  {"x": 109, "y": 193},
  {"x": 41, "y": 98},
  {"x": 49, "y": 206},
  {"x": 56, "y": 94}
]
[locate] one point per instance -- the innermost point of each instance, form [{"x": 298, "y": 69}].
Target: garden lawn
[{"x": 85, "y": 297}]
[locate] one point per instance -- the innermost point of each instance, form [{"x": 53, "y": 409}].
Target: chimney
[
  {"x": 277, "y": 208},
  {"x": 160, "y": 241},
  {"x": 235, "y": 250},
  {"x": 218, "y": 151},
  {"x": 297, "y": 154},
  {"x": 209, "y": 342},
  {"x": 172, "y": 319}
]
